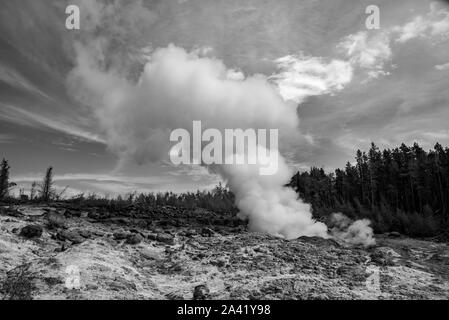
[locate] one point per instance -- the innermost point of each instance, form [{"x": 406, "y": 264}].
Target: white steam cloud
[
  {"x": 355, "y": 232},
  {"x": 269, "y": 205}
]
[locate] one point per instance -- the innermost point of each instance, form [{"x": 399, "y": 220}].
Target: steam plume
[{"x": 356, "y": 232}]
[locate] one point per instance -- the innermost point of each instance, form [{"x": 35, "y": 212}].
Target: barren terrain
[{"x": 63, "y": 252}]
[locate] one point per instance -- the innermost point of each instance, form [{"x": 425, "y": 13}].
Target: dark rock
[
  {"x": 72, "y": 213},
  {"x": 64, "y": 247},
  {"x": 55, "y": 221},
  {"x": 85, "y": 234},
  {"x": 152, "y": 236},
  {"x": 93, "y": 215},
  {"x": 52, "y": 281},
  {"x": 221, "y": 262},
  {"x": 91, "y": 287},
  {"x": 71, "y": 235},
  {"x": 207, "y": 232},
  {"x": 174, "y": 296},
  {"x": 382, "y": 257},
  {"x": 165, "y": 238},
  {"x": 120, "y": 235},
  {"x": 134, "y": 239},
  {"x": 201, "y": 292},
  {"x": 121, "y": 284},
  {"x": 190, "y": 233},
  {"x": 32, "y": 231}
]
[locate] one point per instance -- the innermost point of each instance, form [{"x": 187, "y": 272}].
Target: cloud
[
  {"x": 14, "y": 78},
  {"x": 26, "y": 118},
  {"x": 442, "y": 67},
  {"x": 434, "y": 23},
  {"x": 439, "y": 135},
  {"x": 367, "y": 52},
  {"x": 93, "y": 177},
  {"x": 6, "y": 138},
  {"x": 303, "y": 76},
  {"x": 372, "y": 50}
]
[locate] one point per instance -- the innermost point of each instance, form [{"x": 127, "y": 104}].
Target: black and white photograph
[{"x": 242, "y": 151}]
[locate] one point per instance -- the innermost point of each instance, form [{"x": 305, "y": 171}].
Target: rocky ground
[{"x": 63, "y": 252}]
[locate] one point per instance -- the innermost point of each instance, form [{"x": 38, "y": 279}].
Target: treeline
[
  {"x": 405, "y": 189},
  {"x": 220, "y": 199}
]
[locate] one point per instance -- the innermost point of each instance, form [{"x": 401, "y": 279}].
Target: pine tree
[
  {"x": 4, "y": 179},
  {"x": 46, "y": 188}
]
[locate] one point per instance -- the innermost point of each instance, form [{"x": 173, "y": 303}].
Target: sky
[{"x": 349, "y": 86}]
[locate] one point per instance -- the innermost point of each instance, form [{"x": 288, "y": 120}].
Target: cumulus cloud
[
  {"x": 303, "y": 76},
  {"x": 371, "y": 51},
  {"x": 367, "y": 52},
  {"x": 435, "y": 23}
]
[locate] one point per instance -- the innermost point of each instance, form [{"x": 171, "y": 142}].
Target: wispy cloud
[
  {"x": 95, "y": 177},
  {"x": 14, "y": 78},
  {"x": 23, "y": 117},
  {"x": 434, "y": 23},
  {"x": 6, "y": 138}
]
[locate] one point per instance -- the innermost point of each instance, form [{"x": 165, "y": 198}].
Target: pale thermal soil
[{"x": 181, "y": 250}]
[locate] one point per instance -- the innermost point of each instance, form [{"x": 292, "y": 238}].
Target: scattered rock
[
  {"x": 201, "y": 292},
  {"x": 72, "y": 213},
  {"x": 32, "y": 231},
  {"x": 56, "y": 221},
  {"x": 52, "y": 281},
  {"x": 93, "y": 215},
  {"x": 134, "y": 239},
  {"x": 91, "y": 287},
  {"x": 220, "y": 262},
  {"x": 32, "y": 211},
  {"x": 174, "y": 296},
  {"x": 190, "y": 233},
  {"x": 383, "y": 256},
  {"x": 120, "y": 235},
  {"x": 19, "y": 283},
  {"x": 121, "y": 284},
  {"x": 150, "y": 254},
  {"x": 207, "y": 232},
  {"x": 71, "y": 235},
  {"x": 166, "y": 238},
  {"x": 85, "y": 234}
]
